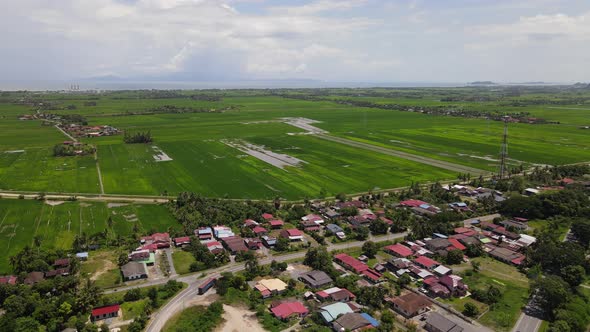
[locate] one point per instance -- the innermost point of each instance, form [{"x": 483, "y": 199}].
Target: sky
[{"x": 328, "y": 40}]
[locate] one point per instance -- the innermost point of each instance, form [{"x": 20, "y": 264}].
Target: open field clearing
[
  {"x": 372, "y": 148},
  {"x": 57, "y": 225}
]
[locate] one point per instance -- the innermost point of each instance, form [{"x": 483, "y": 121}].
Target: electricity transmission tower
[{"x": 504, "y": 151}]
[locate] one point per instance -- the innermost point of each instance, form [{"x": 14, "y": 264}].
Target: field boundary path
[
  {"x": 98, "y": 172},
  {"x": 396, "y": 153}
]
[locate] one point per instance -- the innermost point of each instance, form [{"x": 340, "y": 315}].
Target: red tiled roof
[
  {"x": 284, "y": 310},
  {"x": 426, "y": 262},
  {"x": 431, "y": 281},
  {"x": 267, "y": 216},
  {"x": 412, "y": 202},
  {"x": 351, "y": 262},
  {"x": 182, "y": 239},
  {"x": 461, "y": 230},
  {"x": 259, "y": 229},
  {"x": 293, "y": 232},
  {"x": 518, "y": 260},
  {"x": 456, "y": 244},
  {"x": 11, "y": 280},
  {"x": 276, "y": 222},
  {"x": 399, "y": 249},
  {"x": 372, "y": 274},
  {"x": 105, "y": 310},
  {"x": 386, "y": 220}
]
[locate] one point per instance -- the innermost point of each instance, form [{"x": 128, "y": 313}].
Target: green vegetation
[
  {"x": 190, "y": 125},
  {"x": 197, "y": 319},
  {"x": 58, "y": 226},
  {"x": 182, "y": 261}
]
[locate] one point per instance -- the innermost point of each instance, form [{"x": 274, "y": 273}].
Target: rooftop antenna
[{"x": 504, "y": 150}]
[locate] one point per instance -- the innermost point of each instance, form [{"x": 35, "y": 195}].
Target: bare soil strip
[
  {"x": 276, "y": 159},
  {"x": 98, "y": 171}
]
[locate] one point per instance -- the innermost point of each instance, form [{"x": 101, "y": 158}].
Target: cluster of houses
[
  {"x": 78, "y": 130},
  {"x": 61, "y": 267},
  {"x": 337, "y": 309}
]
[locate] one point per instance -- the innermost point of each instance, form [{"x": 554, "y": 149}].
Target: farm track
[{"x": 395, "y": 153}]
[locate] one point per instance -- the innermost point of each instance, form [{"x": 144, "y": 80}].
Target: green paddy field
[
  {"x": 202, "y": 163},
  {"x": 22, "y": 220}
]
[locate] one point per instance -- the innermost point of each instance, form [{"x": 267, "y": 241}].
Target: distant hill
[
  {"x": 482, "y": 83},
  {"x": 581, "y": 85}
]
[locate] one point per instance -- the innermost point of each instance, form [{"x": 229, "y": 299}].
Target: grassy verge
[
  {"x": 198, "y": 318},
  {"x": 182, "y": 261}
]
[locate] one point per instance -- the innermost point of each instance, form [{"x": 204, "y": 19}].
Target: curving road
[{"x": 159, "y": 319}]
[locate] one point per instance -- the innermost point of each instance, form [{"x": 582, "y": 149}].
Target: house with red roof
[
  {"x": 109, "y": 311},
  {"x": 398, "y": 250},
  {"x": 455, "y": 285},
  {"x": 335, "y": 294},
  {"x": 455, "y": 244},
  {"x": 259, "y": 230},
  {"x": 313, "y": 218},
  {"x": 276, "y": 224},
  {"x": 358, "y": 267},
  {"x": 10, "y": 280},
  {"x": 250, "y": 223},
  {"x": 161, "y": 240},
  {"x": 426, "y": 262},
  {"x": 182, "y": 241},
  {"x": 292, "y": 234},
  {"x": 412, "y": 203},
  {"x": 310, "y": 226},
  {"x": 267, "y": 216},
  {"x": 215, "y": 247},
  {"x": 372, "y": 275},
  {"x": 289, "y": 309}
]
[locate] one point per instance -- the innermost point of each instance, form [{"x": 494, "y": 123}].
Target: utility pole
[{"x": 504, "y": 151}]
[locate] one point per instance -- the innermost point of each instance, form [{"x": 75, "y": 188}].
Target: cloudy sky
[{"x": 330, "y": 40}]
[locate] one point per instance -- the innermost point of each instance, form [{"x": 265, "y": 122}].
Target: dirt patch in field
[
  {"x": 54, "y": 203},
  {"x": 107, "y": 266},
  {"x": 115, "y": 205},
  {"x": 239, "y": 319},
  {"x": 305, "y": 124},
  {"x": 160, "y": 155}
]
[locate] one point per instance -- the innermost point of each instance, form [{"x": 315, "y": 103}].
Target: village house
[
  {"x": 398, "y": 250},
  {"x": 286, "y": 310},
  {"x": 106, "y": 312},
  {"x": 358, "y": 267},
  {"x": 315, "y": 279},
  {"x": 61, "y": 263},
  {"x": 253, "y": 243},
  {"x": 250, "y": 223},
  {"x": 267, "y": 217},
  {"x": 332, "y": 311},
  {"x": 409, "y": 304},
  {"x": 309, "y": 226},
  {"x": 269, "y": 242},
  {"x": 57, "y": 272},
  {"x": 276, "y": 224},
  {"x": 204, "y": 233},
  {"x": 454, "y": 284},
  {"x": 438, "y": 244},
  {"x": 313, "y": 218},
  {"x": 336, "y": 230},
  {"x": 139, "y": 255},
  {"x": 426, "y": 262},
  {"x": 221, "y": 232},
  {"x": 335, "y": 294},
  {"x": 354, "y": 322},
  {"x": 34, "y": 277},
  {"x": 292, "y": 234},
  {"x": 161, "y": 240},
  {"x": 436, "y": 322},
  {"x": 182, "y": 241},
  {"x": 134, "y": 271},
  {"x": 270, "y": 287},
  {"x": 215, "y": 247},
  {"x": 8, "y": 280},
  {"x": 259, "y": 231},
  {"x": 234, "y": 244}
]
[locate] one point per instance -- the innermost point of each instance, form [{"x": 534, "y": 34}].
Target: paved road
[
  {"x": 168, "y": 253},
  {"x": 527, "y": 323},
  {"x": 175, "y": 305},
  {"x": 400, "y": 154}
]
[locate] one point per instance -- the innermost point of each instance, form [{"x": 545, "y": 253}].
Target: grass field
[
  {"x": 21, "y": 220},
  {"x": 182, "y": 261},
  {"x": 513, "y": 285},
  {"x": 202, "y": 163}
]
